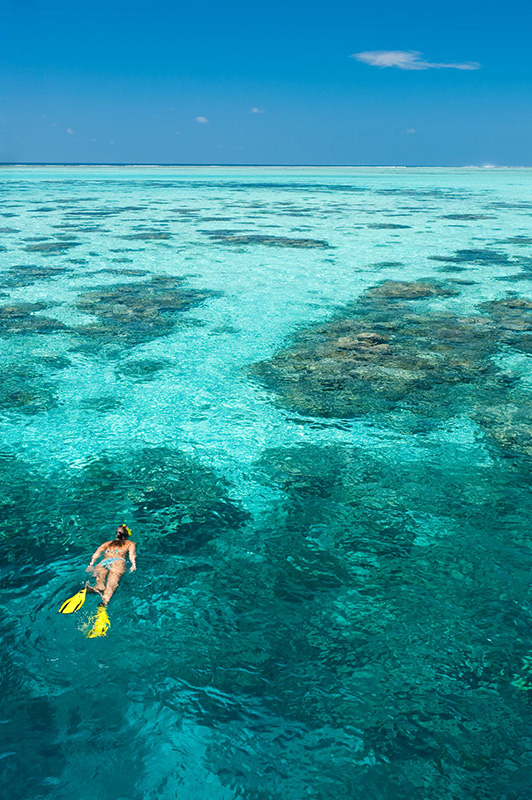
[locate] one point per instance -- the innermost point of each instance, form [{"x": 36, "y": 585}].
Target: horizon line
[{"x": 254, "y": 165}]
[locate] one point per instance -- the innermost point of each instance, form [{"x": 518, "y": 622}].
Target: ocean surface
[{"x": 307, "y": 391}]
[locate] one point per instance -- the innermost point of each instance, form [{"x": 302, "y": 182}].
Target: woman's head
[{"x": 122, "y": 532}]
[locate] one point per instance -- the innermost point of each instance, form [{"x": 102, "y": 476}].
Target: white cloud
[
  {"x": 201, "y": 119},
  {"x": 410, "y": 130},
  {"x": 256, "y": 110},
  {"x": 69, "y": 130},
  {"x": 406, "y": 59}
]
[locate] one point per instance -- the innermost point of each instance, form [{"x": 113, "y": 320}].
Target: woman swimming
[{"x": 109, "y": 571}]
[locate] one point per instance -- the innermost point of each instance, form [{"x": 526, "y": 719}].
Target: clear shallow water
[{"x": 328, "y": 605}]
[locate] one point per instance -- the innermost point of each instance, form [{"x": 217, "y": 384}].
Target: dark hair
[{"x": 122, "y": 533}]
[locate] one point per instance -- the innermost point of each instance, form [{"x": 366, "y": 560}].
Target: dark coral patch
[
  {"x": 73, "y": 228},
  {"x": 136, "y": 273},
  {"x": 91, "y": 214},
  {"x": 517, "y": 277},
  {"x": 387, "y": 264},
  {"x": 24, "y": 389},
  {"x": 143, "y": 369},
  {"x": 467, "y": 217},
  {"x": 26, "y": 274},
  {"x": 379, "y": 355},
  {"x": 474, "y": 256},
  {"x": 148, "y": 236},
  {"x": 51, "y": 248},
  {"x": 520, "y": 240},
  {"x": 508, "y": 426},
  {"x": 512, "y": 313},
  {"x": 55, "y": 362},
  {"x": 178, "y": 503},
  {"x": 410, "y": 290},
  {"x": 22, "y": 318},
  {"x": 231, "y": 237},
  {"x": 387, "y": 226},
  {"x": 452, "y": 268},
  {"x": 133, "y": 313},
  {"x": 513, "y": 316},
  {"x": 101, "y": 404}
]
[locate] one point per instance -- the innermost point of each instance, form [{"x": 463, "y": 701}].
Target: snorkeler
[{"x": 110, "y": 570}]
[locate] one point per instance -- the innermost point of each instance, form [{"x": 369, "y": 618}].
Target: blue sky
[{"x": 270, "y": 83}]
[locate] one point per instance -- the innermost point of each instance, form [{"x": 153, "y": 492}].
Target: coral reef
[
  {"x": 143, "y": 369},
  {"x": 133, "y": 313},
  {"x": 23, "y": 388},
  {"x": 26, "y": 274},
  {"x": 232, "y": 237},
  {"x": 20, "y": 318},
  {"x": 178, "y": 503},
  {"x": 380, "y": 355},
  {"x": 51, "y": 248}
]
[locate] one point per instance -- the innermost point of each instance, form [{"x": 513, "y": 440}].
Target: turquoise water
[{"x": 332, "y": 596}]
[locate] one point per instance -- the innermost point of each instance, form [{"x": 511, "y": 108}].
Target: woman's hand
[
  {"x": 89, "y": 568},
  {"x": 133, "y": 568}
]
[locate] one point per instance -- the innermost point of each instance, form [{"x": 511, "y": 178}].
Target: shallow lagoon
[{"x": 297, "y": 389}]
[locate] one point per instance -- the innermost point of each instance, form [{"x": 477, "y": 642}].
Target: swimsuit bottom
[{"x": 109, "y": 562}]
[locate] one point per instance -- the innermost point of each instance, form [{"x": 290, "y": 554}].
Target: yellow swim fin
[
  {"x": 73, "y": 603},
  {"x": 101, "y": 624}
]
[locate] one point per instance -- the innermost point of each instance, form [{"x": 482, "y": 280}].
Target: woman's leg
[
  {"x": 115, "y": 573},
  {"x": 100, "y": 573}
]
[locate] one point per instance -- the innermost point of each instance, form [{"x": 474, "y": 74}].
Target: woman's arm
[
  {"x": 133, "y": 556},
  {"x": 98, "y": 552}
]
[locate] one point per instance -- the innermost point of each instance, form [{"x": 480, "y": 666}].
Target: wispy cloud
[
  {"x": 407, "y": 59},
  {"x": 201, "y": 119},
  {"x": 256, "y": 110},
  {"x": 70, "y": 131},
  {"x": 410, "y": 130}
]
